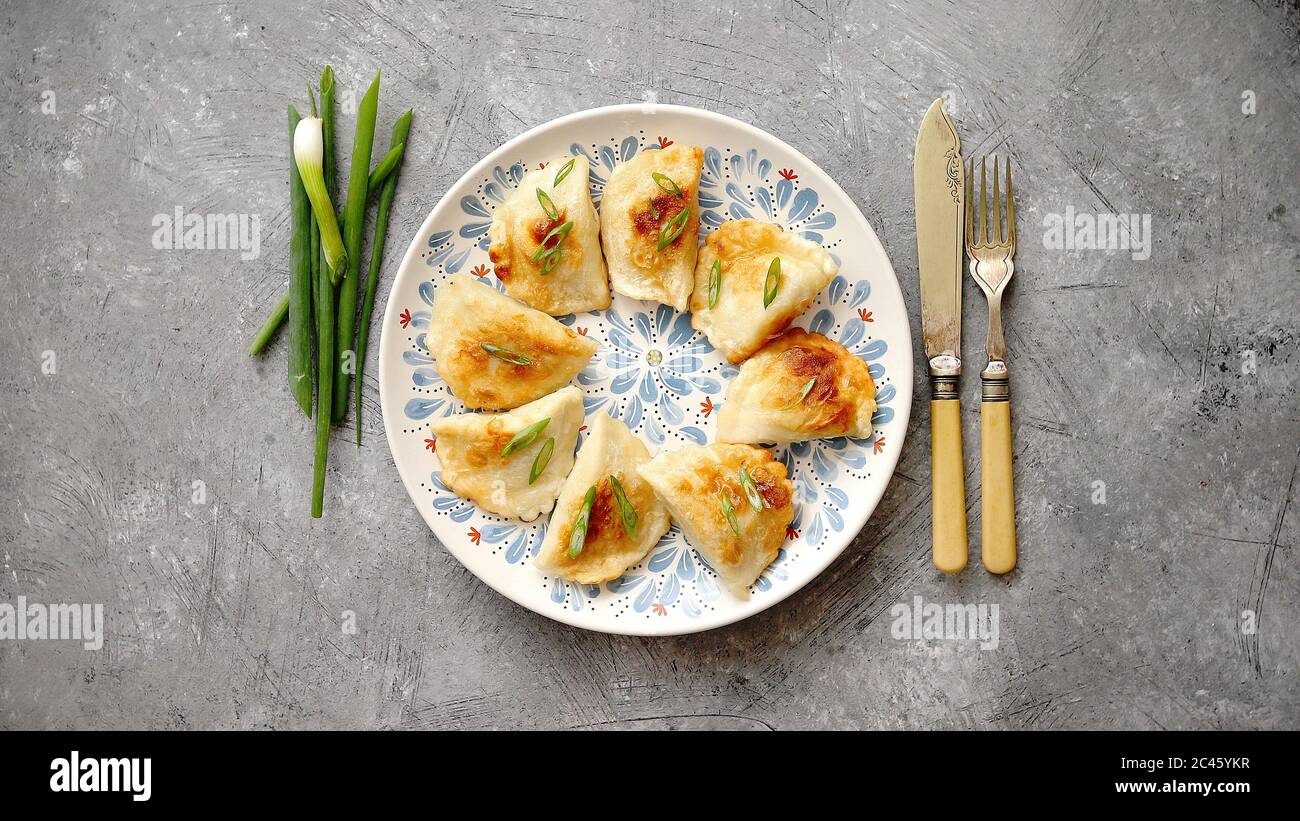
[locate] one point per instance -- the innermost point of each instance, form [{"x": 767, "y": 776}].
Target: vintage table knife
[{"x": 940, "y": 191}]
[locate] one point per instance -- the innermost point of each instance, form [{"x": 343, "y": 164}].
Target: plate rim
[{"x": 904, "y": 386}]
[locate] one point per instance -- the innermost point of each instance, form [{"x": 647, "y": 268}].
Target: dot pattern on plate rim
[{"x": 662, "y": 378}]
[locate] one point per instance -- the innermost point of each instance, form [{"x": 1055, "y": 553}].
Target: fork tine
[
  {"x": 984, "y": 217},
  {"x": 1011, "y": 210},
  {"x": 969, "y": 184},
  {"x": 997, "y": 207}
]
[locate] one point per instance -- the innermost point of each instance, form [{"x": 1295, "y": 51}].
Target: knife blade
[
  {"x": 940, "y": 188},
  {"x": 939, "y": 192}
]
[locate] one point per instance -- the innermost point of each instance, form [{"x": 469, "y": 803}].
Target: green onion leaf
[
  {"x": 625, "y": 508},
  {"x": 559, "y": 233},
  {"x": 525, "y": 437},
  {"x": 751, "y": 491},
  {"x": 773, "y": 283},
  {"x": 506, "y": 355},
  {"x": 729, "y": 510},
  {"x": 803, "y": 393},
  {"x": 550, "y": 263},
  {"x": 564, "y": 171},
  {"x": 666, "y": 183},
  {"x": 579, "y": 536},
  {"x": 548, "y": 205},
  {"x": 542, "y": 459},
  {"x": 715, "y": 282},
  {"x": 673, "y": 228}
]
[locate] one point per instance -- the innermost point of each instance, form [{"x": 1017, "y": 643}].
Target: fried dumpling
[
  {"x": 798, "y": 386},
  {"x": 644, "y": 202},
  {"x": 555, "y": 269},
  {"x": 608, "y": 550},
  {"x": 738, "y": 323},
  {"x": 736, "y": 521},
  {"x": 496, "y": 353},
  {"x": 489, "y": 458}
]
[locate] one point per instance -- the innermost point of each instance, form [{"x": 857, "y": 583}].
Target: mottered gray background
[{"x": 1172, "y": 380}]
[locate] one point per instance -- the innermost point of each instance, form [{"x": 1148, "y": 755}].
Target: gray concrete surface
[{"x": 1130, "y": 372}]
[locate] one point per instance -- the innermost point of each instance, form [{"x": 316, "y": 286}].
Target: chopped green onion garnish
[
  {"x": 542, "y": 459},
  {"x": 729, "y": 510},
  {"x": 803, "y": 393},
  {"x": 550, "y": 263},
  {"x": 506, "y": 355},
  {"x": 673, "y": 228},
  {"x": 715, "y": 282},
  {"x": 666, "y": 183},
  {"x": 564, "y": 171},
  {"x": 773, "y": 283},
  {"x": 558, "y": 233},
  {"x": 525, "y": 437},
  {"x": 625, "y": 508},
  {"x": 579, "y": 536},
  {"x": 548, "y": 205},
  {"x": 751, "y": 491}
]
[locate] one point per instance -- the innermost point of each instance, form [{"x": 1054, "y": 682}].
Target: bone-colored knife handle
[
  {"x": 998, "y": 506},
  {"x": 947, "y": 485}
]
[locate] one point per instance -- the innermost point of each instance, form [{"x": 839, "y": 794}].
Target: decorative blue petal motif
[
  {"x": 418, "y": 409},
  {"x": 474, "y": 207}
]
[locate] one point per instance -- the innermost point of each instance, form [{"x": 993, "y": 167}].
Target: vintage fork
[{"x": 992, "y": 251}]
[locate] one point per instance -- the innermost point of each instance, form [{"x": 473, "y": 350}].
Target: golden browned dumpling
[
  {"x": 496, "y": 353},
  {"x": 798, "y": 386},
  {"x": 609, "y": 548},
  {"x": 511, "y": 463},
  {"x": 732, "y": 502},
  {"x": 649, "y": 219},
  {"x": 755, "y": 298},
  {"x": 545, "y": 246}
]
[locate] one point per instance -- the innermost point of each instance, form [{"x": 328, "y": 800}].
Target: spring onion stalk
[
  {"x": 390, "y": 161},
  {"x": 313, "y": 258},
  {"x": 400, "y": 130},
  {"x": 324, "y": 384},
  {"x": 308, "y": 150},
  {"x": 272, "y": 324},
  {"x": 354, "y": 222},
  {"x": 299, "y": 282}
]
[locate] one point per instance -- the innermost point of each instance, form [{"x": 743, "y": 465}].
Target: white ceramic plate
[{"x": 666, "y": 382}]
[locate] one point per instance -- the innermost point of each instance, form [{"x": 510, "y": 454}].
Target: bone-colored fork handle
[
  {"x": 947, "y": 486},
  {"x": 998, "y": 505}
]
